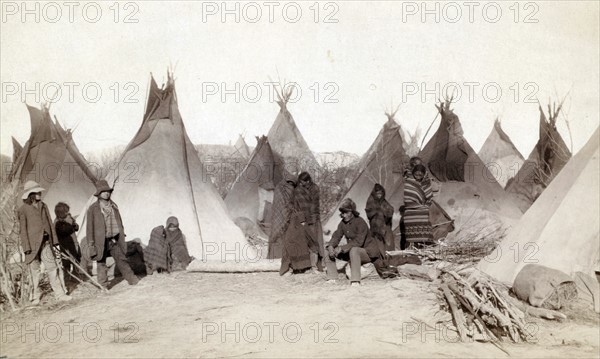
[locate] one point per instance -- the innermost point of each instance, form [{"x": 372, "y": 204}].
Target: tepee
[
  {"x": 251, "y": 195},
  {"x": 160, "y": 175},
  {"x": 546, "y": 160},
  {"x": 500, "y": 155},
  {"x": 560, "y": 230},
  {"x": 383, "y": 163},
  {"x": 17, "y": 148},
  {"x": 468, "y": 191},
  {"x": 287, "y": 142},
  {"x": 241, "y": 148},
  {"x": 51, "y": 158}
]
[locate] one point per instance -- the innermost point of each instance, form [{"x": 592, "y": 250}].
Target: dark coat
[
  {"x": 65, "y": 232},
  {"x": 96, "y": 230},
  {"x": 32, "y": 229},
  {"x": 380, "y": 213},
  {"x": 307, "y": 203},
  {"x": 357, "y": 234}
]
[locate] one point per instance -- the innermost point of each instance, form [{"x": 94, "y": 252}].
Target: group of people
[
  {"x": 55, "y": 243},
  {"x": 296, "y": 224},
  {"x": 297, "y": 227}
]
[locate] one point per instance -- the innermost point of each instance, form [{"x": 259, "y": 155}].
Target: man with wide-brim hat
[
  {"x": 38, "y": 238},
  {"x": 361, "y": 247},
  {"x": 105, "y": 235}
]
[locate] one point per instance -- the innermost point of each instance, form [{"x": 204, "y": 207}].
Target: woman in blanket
[
  {"x": 380, "y": 213},
  {"x": 417, "y": 199},
  {"x": 167, "y": 250}
]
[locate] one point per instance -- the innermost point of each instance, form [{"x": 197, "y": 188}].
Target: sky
[{"x": 351, "y": 61}]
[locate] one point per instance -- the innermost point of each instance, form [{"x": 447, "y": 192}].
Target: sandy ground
[{"x": 263, "y": 315}]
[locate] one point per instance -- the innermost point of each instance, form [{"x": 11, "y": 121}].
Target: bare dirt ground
[{"x": 263, "y": 315}]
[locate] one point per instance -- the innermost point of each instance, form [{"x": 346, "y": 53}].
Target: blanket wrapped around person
[
  {"x": 417, "y": 199},
  {"x": 166, "y": 249}
]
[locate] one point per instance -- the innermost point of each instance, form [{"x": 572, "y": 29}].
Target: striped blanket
[
  {"x": 156, "y": 255},
  {"x": 417, "y": 197}
]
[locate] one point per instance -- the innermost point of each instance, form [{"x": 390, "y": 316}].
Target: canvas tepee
[
  {"x": 241, "y": 148},
  {"x": 160, "y": 175},
  {"x": 468, "y": 191},
  {"x": 17, "y": 148},
  {"x": 546, "y": 160},
  {"x": 51, "y": 158},
  {"x": 560, "y": 230},
  {"x": 252, "y": 192},
  {"x": 383, "y": 163},
  {"x": 500, "y": 155},
  {"x": 288, "y": 143}
]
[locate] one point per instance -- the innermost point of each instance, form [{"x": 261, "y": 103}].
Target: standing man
[
  {"x": 106, "y": 237},
  {"x": 307, "y": 206},
  {"x": 37, "y": 239},
  {"x": 286, "y": 231}
]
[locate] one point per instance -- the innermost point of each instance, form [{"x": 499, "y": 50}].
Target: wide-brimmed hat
[
  {"x": 31, "y": 187},
  {"x": 102, "y": 186},
  {"x": 348, "y": 205}
]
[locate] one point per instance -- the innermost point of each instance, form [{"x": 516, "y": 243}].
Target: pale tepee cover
[
  {"x": 546, "y": 160},
  {"x": 160, "y": 175},
  {"x": 500, "y": 155},
  {"x": 288, "y": 143},
  {"x": 241, "y": 148},
  {"x": 560, "y": 230},
  {"x": 383, "y": 163},
  {"x": 252, "y": 191},
  {"x": 468, "y": 191}
]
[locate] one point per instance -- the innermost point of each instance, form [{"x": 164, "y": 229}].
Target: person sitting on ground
[
  {"x": 417, "y": 199},
  {"x": 166, "y": 249},
  {"x": 362, "y": 248},
  {"x": 380, "y": 212},
  {"x": 180, "y": 257},
  {"x": 156, "y": 255},
  {"x": 66, "y": 227}
]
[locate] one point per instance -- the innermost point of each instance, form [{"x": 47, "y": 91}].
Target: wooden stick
[
  {"x": 537, "y": 312},
  {"x": 74, "y": 261},
  {"x": 494, "y": 340},
  {"x": 458, "y": 316},
  {"x": 8, "y": 293},
  {"x": 509, "y": 309}
]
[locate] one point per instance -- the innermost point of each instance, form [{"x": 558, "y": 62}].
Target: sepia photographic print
[{"x": 283, "y": 179}]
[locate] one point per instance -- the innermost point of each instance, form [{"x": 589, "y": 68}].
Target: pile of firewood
[
  {"x": 465, "y": 246},
  {"x": 482, "y": 309}
]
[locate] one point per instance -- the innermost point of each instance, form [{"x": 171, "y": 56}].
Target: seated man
[
  {"x": 166, "y": 249},
  {"x": 362, "y": 248}
]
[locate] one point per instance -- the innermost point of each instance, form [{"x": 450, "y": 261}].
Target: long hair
[
  {"x": 30, "y": 198},
  {"x": 61, "y": 210},
  {"x": 413, "y": 161},
  {"x": 304, "y": 176},
  {"x": 419, "y": 168}
]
